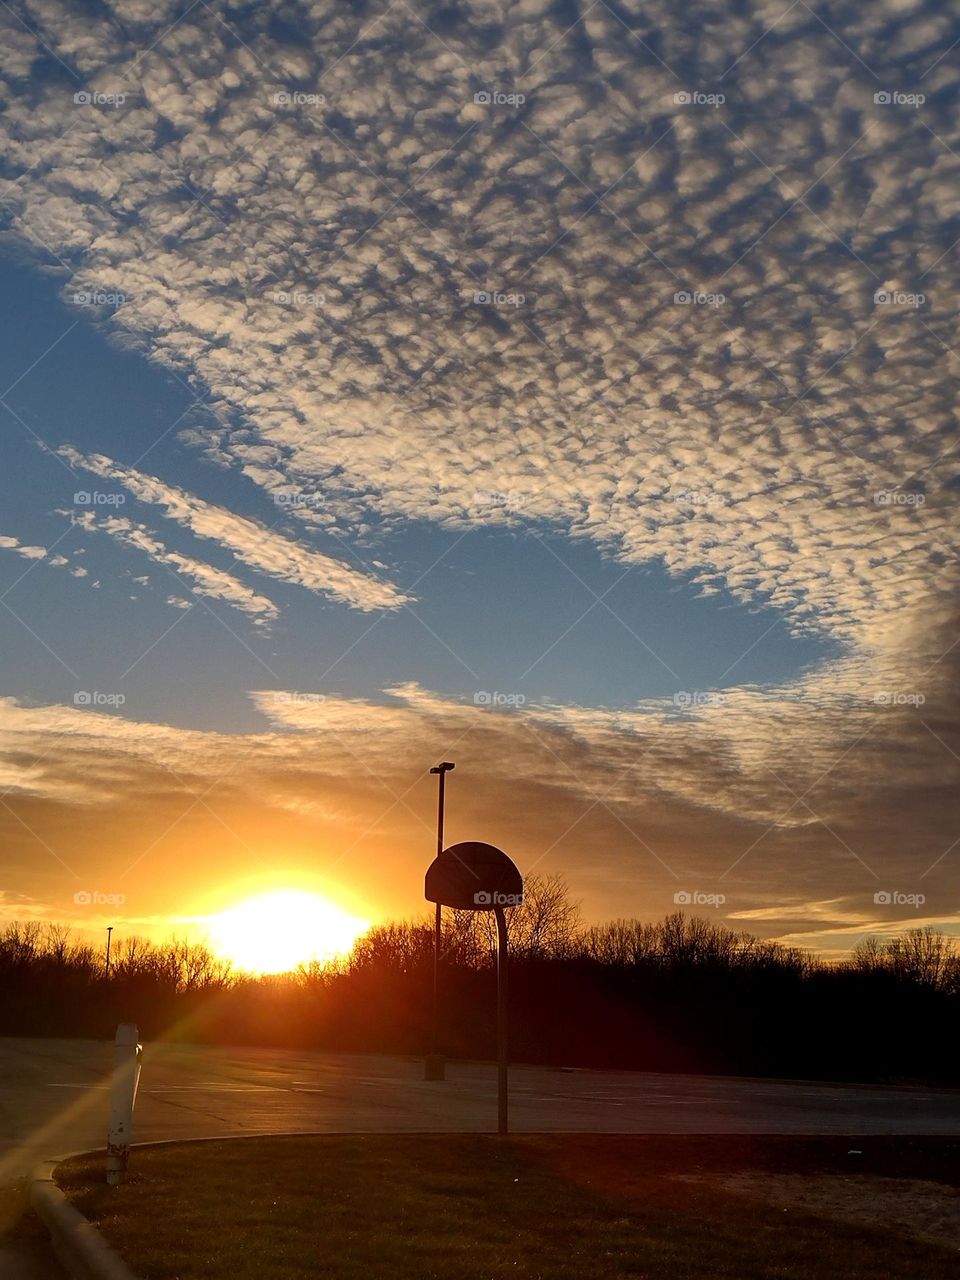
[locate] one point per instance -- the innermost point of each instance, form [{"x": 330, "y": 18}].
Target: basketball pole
[
  {"x": 474, "y": 876},
  {"x": 502, "y": 1024},
  {"x": 435, "y": 1066}
]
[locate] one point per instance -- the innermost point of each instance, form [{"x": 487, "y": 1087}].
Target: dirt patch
[{"x": 909, "y": 1206}]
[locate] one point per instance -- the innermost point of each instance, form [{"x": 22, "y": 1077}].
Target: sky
[{"x": 564, "y": 390}]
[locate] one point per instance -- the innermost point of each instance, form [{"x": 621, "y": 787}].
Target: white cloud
[
  {"x": 9, "y": 543},
  {"x": 598, "y": 403},
  {"x": 206, "y": 579},
  {"x": 256, "y": 545}
]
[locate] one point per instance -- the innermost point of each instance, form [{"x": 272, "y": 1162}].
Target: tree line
[{"x": 681, "y": 994}]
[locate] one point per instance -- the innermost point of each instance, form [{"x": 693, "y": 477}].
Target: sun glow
[{"x": 276, "y": 932}]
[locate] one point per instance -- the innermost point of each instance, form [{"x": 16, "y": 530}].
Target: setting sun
[{"x": 276, "y": 932}]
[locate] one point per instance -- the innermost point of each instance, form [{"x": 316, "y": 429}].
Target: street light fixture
[{"x": 434, "y": 1066}]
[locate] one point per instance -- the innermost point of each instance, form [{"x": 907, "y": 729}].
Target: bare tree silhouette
[{"x": 683, "y": 993}]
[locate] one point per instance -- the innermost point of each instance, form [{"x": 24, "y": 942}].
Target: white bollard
[{"x": 123, "y": 1094}]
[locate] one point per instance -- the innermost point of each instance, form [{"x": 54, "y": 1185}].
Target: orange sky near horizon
[{"x": 286, "y": 811}]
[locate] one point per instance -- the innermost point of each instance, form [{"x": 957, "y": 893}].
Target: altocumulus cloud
[
  {"x": 306, "y": 225},
  {"x": 264, "y": 549},
  {"x": 204, "y": 579}
]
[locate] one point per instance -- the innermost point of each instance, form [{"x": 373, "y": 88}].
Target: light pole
[
  {"x": 434, "y": 1067},
  {"x": 106, "y": 970},
  {"x": 502, "y": 1019}
]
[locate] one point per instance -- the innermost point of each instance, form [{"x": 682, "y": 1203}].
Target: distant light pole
[
  {"x": 106, "y": 971},
  {"x": 434, "y": 1067}
]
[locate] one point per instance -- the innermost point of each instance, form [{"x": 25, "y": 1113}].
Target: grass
[{"x": 481, "y": 1208}]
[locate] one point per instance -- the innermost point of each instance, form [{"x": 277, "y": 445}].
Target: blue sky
[
  {"x": 602, "y": 359},
  {"x": 513, "y": 610}
]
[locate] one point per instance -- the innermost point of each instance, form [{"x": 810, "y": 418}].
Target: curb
[{"x": 80, "y": 1247}]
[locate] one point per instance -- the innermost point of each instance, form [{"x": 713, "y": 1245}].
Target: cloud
[
  {"x": 206, "y": 579},
  {"x": 834, "y": 912},
  {"x": 263, "y": 549},
  {"x": 8, "y": 543},
  {"x": 629, "y": 806},
  {"x": 781, "y": 433}
]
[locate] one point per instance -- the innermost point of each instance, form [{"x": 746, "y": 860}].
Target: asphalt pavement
[{"x": 54, "y": 1099}]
